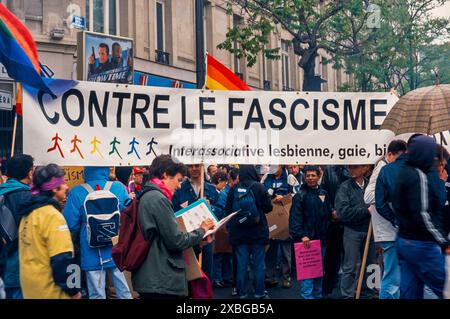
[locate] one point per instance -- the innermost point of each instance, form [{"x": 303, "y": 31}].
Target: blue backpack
[
  {"x": 244, "y": 202},
  {"x": 102, "y": 216}
]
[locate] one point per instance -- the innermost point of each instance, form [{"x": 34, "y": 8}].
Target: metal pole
[{"x": 200, "y": 43}]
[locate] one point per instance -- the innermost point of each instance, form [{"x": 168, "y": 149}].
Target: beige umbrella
[{"x": 425, "y": 110}]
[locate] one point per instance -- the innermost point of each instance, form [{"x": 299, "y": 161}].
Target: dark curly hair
[
  {"x": 219, "y": 177},
  {"x": 165, "y": 164}
]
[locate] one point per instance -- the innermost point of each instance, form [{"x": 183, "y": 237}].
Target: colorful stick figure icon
[
  {"x": 55, "y": 139},
  {"x": 150, "y": 146},
  {"x": 94, "y": 143},
  {"x": 74, "y": 141},
  {"x": 133, "y": 144},
  {"x": 114, "y": 148}
]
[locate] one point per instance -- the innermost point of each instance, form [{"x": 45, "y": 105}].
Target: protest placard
[
  {"x": 278, "y": 218},
  {"x": 308, "y": 260},
  {"x": 103, "y": 124},
  {"x": 74, "y": 175},
  {"x": 193, "y": 269}
]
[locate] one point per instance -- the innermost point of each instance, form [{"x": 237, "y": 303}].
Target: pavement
[{"x": 277, "y": 292}]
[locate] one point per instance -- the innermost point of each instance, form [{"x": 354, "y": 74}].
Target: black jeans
[{"x": 333, "y": 257}]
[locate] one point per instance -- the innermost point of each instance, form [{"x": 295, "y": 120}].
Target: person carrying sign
[
  {"x": 309, "y": 219},
  {"x": 278, "y": 187},
  {"x": 355, "y": 215},
  {"x": 163, "y": 272},
  {"x": 189, "y": 193}
]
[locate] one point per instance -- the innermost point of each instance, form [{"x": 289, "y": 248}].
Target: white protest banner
[{"x": 102, "y": 124}]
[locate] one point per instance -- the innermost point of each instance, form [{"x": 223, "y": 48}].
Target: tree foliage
[{"x": 384, "y": 44}]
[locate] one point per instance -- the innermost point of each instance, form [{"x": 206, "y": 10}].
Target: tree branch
[
  {"x": 302, "y": 17},
  {"x": 325, "y": 17},
  {"x": 270, "y": 12}
]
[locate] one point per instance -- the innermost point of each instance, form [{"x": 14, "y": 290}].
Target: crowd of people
[{"x": 403, "y": 199}]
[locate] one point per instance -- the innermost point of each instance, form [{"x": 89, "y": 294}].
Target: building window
[
  {"x": 33, "y": 10},
  {"x": 113, "y": 17},
  {"x": 161, "y": 55},
  {"x": 34, "y": 15},
  {"x": 160, "y": 26},
  {"x": 285, "y": 66},
  {"x": 237, "y": 20},
  {"x": 103, "y": 16},
  {"x": 265, "y": 65}
]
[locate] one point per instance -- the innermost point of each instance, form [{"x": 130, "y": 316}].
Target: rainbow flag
[
  {"x": 219, "y": 77},
  {"x": 18, "y": 52}
]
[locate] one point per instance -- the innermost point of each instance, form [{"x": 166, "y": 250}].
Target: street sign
[
  {"x": 3, "y": 73},
  {"x": 5, "y": 100},
  {"x": 78, "y": 22}
]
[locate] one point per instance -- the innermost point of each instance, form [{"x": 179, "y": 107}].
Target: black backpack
[
  {"x": 8, "y": 227},
  {"x": 244, "y": 202}
]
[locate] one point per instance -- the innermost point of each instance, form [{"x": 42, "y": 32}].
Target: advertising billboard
[{"x": 105, "y": 58}]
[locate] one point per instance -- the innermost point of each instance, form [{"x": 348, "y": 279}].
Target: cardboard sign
[
  {"x": 278, "y": 219},
  {"x": 308, "y": 260},
  {"x": 74, "y": 175},
  {"x": 193, "y": 269},
  {"x": 221, "y": 243}
]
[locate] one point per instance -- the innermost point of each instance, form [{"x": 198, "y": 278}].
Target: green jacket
[{"x": 164, "y": 269}]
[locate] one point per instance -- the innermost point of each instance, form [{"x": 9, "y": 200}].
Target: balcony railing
[{"x": 162, "y": 57}]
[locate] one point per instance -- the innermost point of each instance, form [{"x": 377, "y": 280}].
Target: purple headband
[{"x": 54, "y": 182}]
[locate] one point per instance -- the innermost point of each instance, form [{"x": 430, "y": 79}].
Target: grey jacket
[
  {"x": 350, "y": 205},
  {"x": 164, "y": 269}
]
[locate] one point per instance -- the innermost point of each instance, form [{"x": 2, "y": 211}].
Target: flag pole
[
  {"x": 206, "y": 70},
  {"x": 18, "y": 95},
  {"x": 364, "y": 261},
  {"x": 14, "y": 135}
]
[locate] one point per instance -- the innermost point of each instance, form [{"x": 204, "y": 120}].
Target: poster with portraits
[{"x": 105, "y": 58}]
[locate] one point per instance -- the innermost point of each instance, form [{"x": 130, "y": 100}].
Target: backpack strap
[
  {"x": 88, "y": 188},
  {"x": 108, "y": 186}
]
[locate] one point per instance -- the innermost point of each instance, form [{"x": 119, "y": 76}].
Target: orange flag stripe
[
  {"x": 221, "y": 78},
  {"x": 214, "y": 85},
  {"x": 221, "y": 73}
]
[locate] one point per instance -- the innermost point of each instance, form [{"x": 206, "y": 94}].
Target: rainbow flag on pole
[
  {"x": 18, "y": 53},
  {"x": 219, "y": 77}
]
